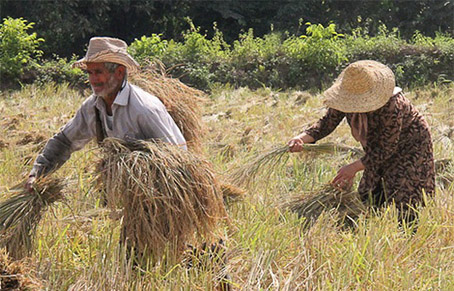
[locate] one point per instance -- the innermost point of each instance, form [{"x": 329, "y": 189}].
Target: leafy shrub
[
  {"x": 148, "y": 47},
  {"x": 316, "y": 56},
  {"x": 18, "y": 49},
  {"x": 196, "y": 60},
  {"x": 59, "y": 70},
  {"x": 277, "y": 60}
]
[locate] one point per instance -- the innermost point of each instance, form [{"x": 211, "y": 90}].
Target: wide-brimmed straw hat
[
  {"x": 107, "y": 49},
  {"x": 363, "y": 86}
]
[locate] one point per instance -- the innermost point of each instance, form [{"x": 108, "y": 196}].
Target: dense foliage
[
  {"x": 68, "y": 24},
  {"x": 287, "y": 61},
  {"x": 278, "y": 60}
]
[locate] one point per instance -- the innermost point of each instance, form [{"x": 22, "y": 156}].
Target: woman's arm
[
  {"x": 323, "y": 127},
  {"x": 346, "y": 174}
]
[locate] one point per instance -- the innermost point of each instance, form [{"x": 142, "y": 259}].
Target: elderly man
[{"x": 115, "y": 109}]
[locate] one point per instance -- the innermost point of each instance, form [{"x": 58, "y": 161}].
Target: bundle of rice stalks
[
  {"x": 266, "y": 164},
  {"x": 347, "y": 204},
  {"x": 444, "y": 175},
  {"x": 231, "y": 192},
  {"x": 16, "y": 275},
  {"x": 182, "y": 102},
  {"x": 445, "y": 180},
  {"x": 168, "y": 195},
  {"x": 21, "y": 213}
]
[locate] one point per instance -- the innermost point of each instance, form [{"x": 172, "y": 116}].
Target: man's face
[{"x": 102, "y": 81}]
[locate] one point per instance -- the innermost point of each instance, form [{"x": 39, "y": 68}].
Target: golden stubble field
[{"x": 76, "y": 247}]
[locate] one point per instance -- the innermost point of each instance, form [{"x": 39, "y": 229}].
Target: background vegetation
[
  {"x": 284, "y": 44},
  {"x": 68, "y": 24},
  {"x": 277, "y": 60}
]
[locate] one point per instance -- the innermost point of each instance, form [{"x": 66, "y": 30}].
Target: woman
[{"x": 398, "y": 161}]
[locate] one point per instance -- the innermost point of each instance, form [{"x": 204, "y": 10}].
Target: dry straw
[
  {"x": 266, "y": 164},
  {"x": 17, "y": 275},
  {"x": 21, "y": 213},
  {"x": 347, "y": 204},
  {"x": 167, "y": 194},
  {"x": 231, "y": 193},
  {"x": 182, "y": 102}
]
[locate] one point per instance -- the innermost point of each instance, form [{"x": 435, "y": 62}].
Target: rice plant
[
  {"x": 21, "y": 214},
  {"x": 264, "y": 165},
  {"x": 347, "y": 204}
]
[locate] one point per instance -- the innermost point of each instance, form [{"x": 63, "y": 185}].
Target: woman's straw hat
[
  {"x": 361, "y": 87},
  {"x": 107, "y": 49}
]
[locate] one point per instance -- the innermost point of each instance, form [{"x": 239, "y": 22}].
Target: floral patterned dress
[{"x": 398, "y": 158}]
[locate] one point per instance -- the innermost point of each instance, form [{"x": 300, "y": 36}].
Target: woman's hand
[
  {"x": 346, "y": 174},
  {"x": 296, "y": 143}
]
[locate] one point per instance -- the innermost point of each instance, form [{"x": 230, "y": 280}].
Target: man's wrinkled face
[{"x": 102, "y": 81}]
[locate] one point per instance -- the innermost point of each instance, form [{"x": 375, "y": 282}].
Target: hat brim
[
  {"x": 339, "y": 98},
  {"x": 109, "y": 57},
  {"x": 367, "y": 102}
]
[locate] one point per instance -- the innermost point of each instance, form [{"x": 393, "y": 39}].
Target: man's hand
[
  {"x": 346, "y": 174},
  {"x": 29, "y": 185}
]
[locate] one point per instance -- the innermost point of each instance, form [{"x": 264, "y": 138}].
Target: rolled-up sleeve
[{"x": 325, "y": 125}]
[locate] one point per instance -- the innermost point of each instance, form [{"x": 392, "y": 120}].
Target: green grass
[{"x": 77, "y": 248}]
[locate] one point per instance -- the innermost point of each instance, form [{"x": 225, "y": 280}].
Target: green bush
[
  {"x": 315, "y": 57},
  {"x": 148, "y": 47},
  {"x": 59, "y": 70},
  {"x": 197, "y": 59},
  {"x": 283, "y": 60},
  {"x": 18, "y": 49}
]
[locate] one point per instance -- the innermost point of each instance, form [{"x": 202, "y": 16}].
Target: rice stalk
[
  {"x": 347, "y": 204},
  {"x": 17, "y": 275},
  {"x": 269, "y": 162},
  {"x": 21, "y": 214},
  {"x": 231, "y": 192},
  {"x": 168, "y": 195},
  {"x": 181, "y": 101},
  {"x": 263, "y": 165}
]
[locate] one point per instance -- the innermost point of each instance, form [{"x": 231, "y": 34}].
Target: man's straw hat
[
  {"x": 107, "y": 49},
  {"x": 361, "y": 87}
]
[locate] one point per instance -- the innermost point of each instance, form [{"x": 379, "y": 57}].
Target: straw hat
[
  {"x": 361, "y": 87},
  {"x": 107, "y": 49}
]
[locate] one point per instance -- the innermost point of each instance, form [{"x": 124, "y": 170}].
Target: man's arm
[
  {"x": 56, "y": 152},
  {"x": 159, "y": 124},
  {"x": 72, "y": 137}
]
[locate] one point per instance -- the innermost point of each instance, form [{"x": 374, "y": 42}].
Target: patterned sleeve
[
  {"x": 381, "y": 145},
  {"x": 325, "y": 125}
]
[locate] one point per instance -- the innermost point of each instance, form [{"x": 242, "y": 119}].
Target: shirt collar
[{"x": 122, "y": 98}]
